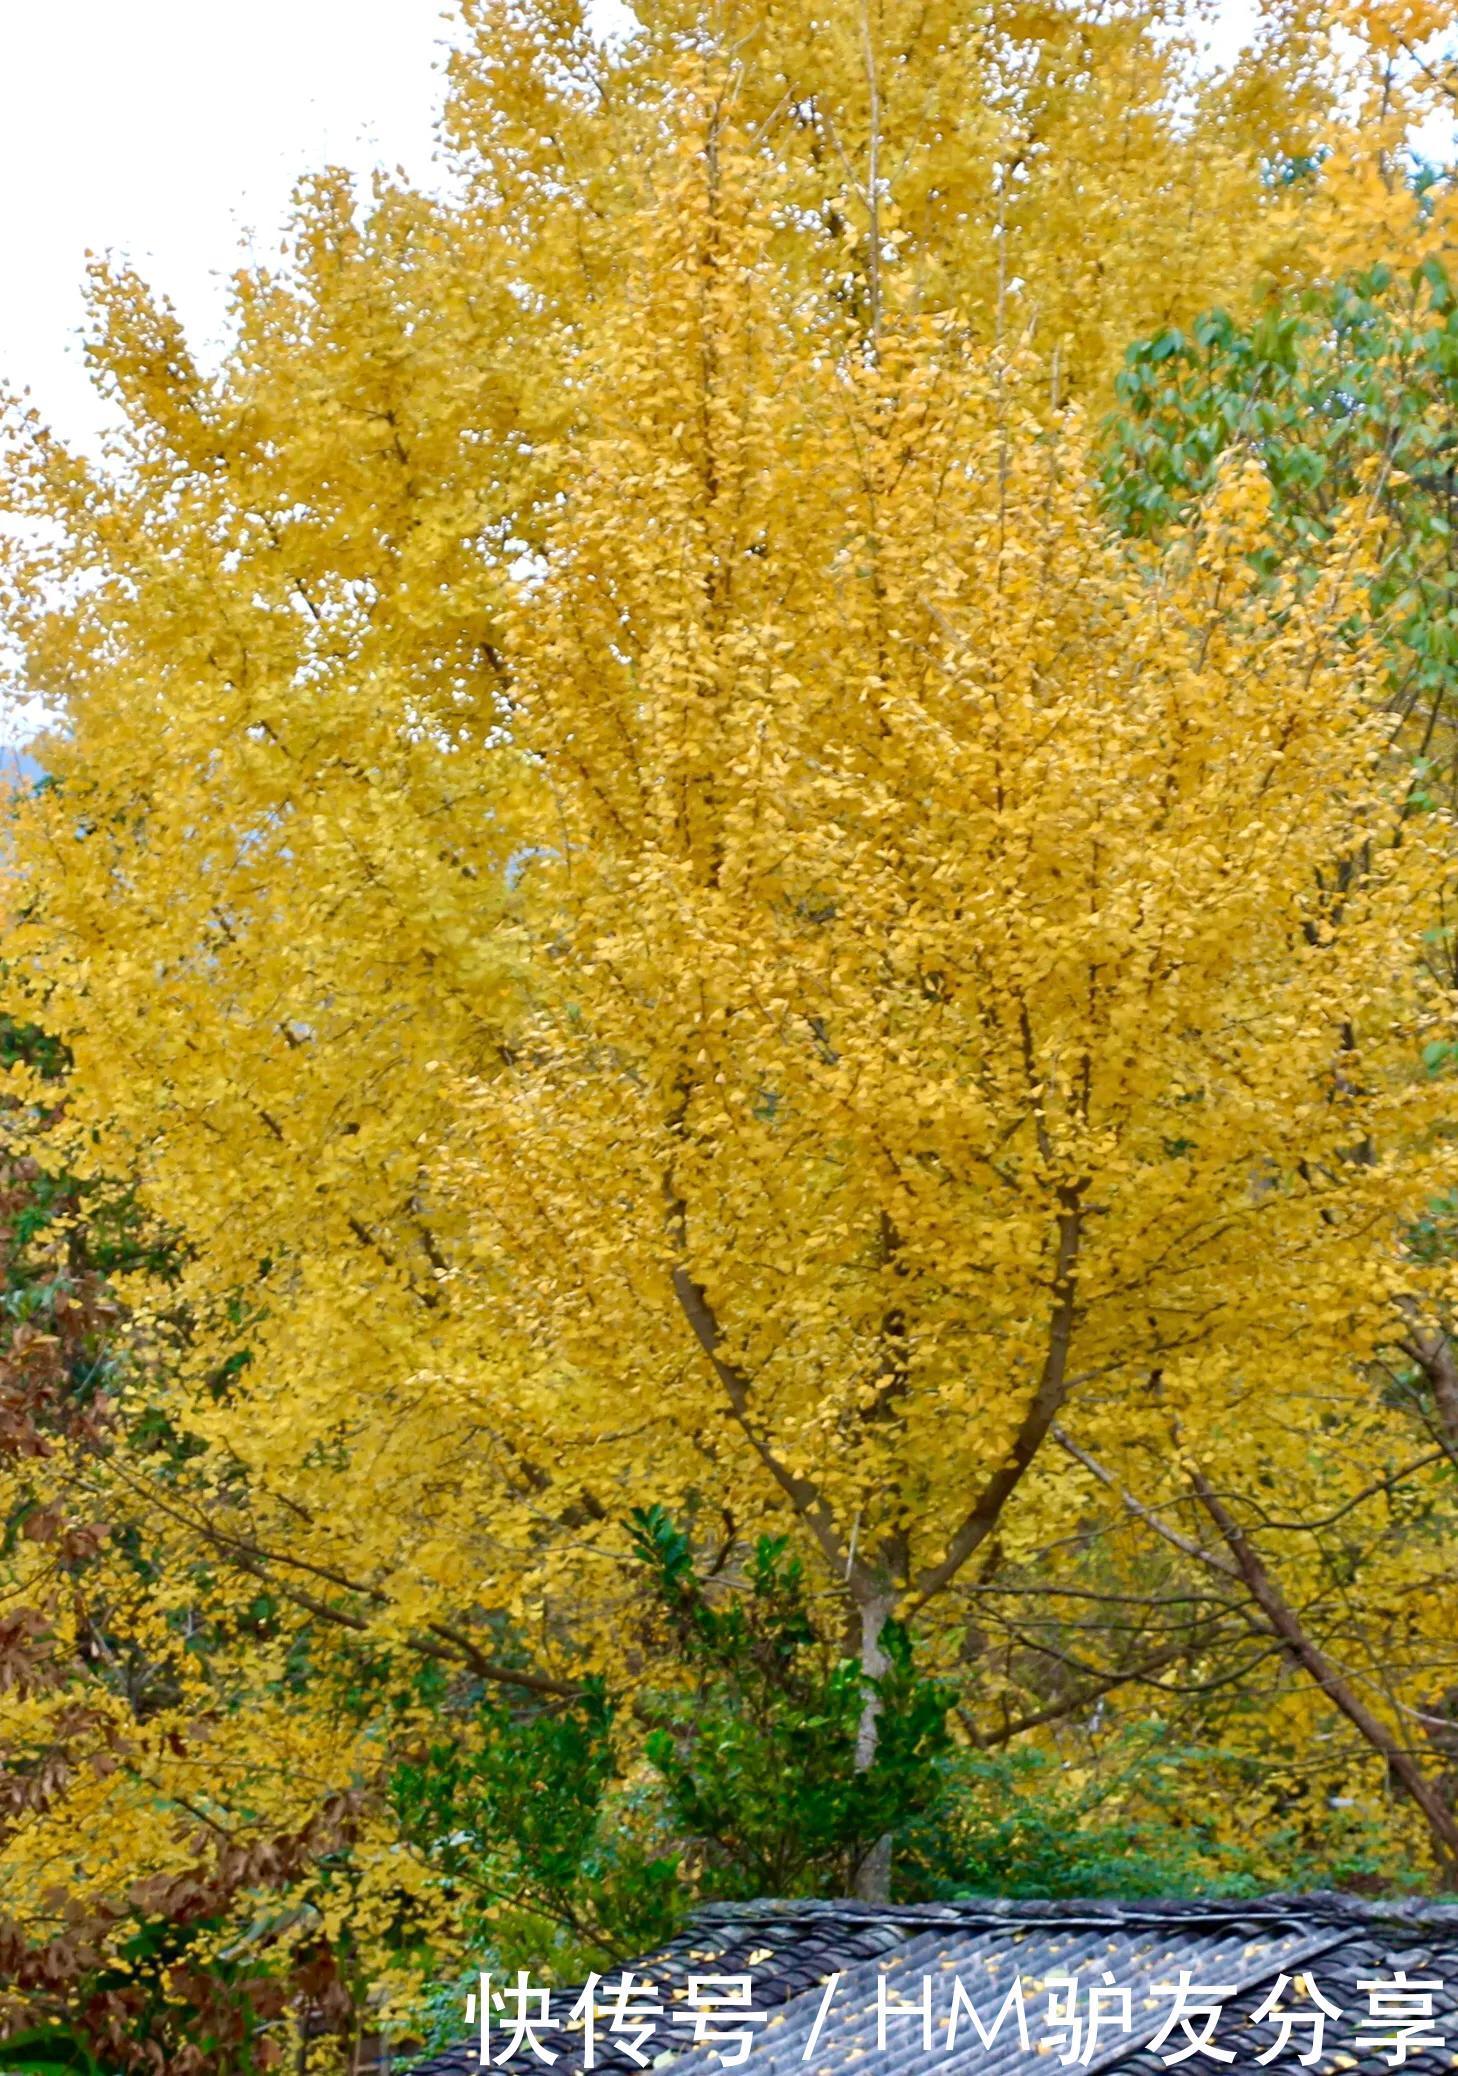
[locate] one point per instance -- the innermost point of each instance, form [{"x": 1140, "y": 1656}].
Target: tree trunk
[{"x": 873, "y": 1875}]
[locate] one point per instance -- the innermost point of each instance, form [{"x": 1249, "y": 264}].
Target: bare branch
[
  {"x": 1140, "y": 1511},
  {"x": 1304, "y": 1650}
]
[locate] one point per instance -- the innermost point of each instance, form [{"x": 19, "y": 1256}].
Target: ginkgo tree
[
  {"x": 978, "y": 965},
  {"x": 673, "y": 917}
]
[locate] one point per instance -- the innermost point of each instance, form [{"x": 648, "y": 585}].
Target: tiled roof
[{"x": 888, "y": 1955}]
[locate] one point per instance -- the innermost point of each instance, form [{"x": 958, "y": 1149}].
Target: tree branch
[
  {"x": 1137, "y": 1508},
  {"x": 804, "y": 1496},
  {"x": 1308, "y": 1654},
  {"x": 1434, "y": 1355},
  {"x": 1043, "y": 1410}
]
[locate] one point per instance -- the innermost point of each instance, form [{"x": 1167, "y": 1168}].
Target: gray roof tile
[{"x": 791, "y": 1952}]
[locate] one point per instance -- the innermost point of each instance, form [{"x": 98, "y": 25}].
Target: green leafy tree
[
  {"x": 759, "y": 1757},
  {"x": 521, "y": 1811},
  {"x": 1342, "y": 393}
]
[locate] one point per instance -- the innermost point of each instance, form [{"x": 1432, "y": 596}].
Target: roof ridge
[{"x": 1314, "y": 1906}]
